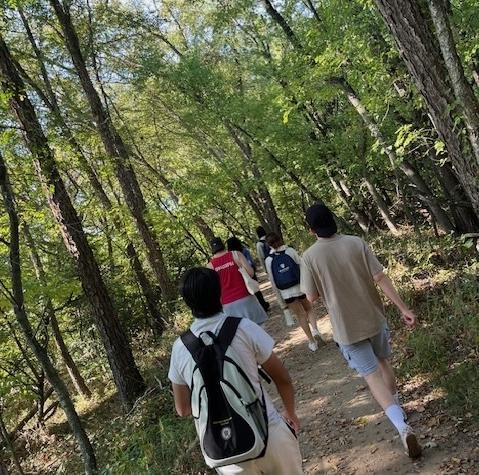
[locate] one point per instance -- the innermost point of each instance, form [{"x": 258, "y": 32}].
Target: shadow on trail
[{"x": 343, "y": 430}]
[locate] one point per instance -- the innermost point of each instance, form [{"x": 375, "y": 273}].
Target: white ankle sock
[{"x": 396, "y": 416}]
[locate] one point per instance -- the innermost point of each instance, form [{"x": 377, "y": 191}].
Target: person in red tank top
[{"x": 235, "y": 298}]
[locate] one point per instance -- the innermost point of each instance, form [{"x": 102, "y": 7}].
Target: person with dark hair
[
  {"x": 262, "y": 248},
  {"x": 235, "y": 297},
  {"x": 344, "y": 272},
  {"x": 262, "y": 251},
  {"x": 283, "y": 268},
  {"x": 234, "y": 244},
  {"x": 249, "y": 346}
]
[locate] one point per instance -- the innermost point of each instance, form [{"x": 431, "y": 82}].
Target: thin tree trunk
[
  {"x": 281, "y": 165},
  {"x": 423, "y": 59},
  {"x": 271, "y": 218},
  {"x": 117, "y": 151},
  {"x": 463, "y": 92},
  {"x": 52, "y": 104},
  {"x": 8, "y": 442},
  {"x": 17, "y": 301},
  {"x": 358, "y": 215},
  {"x": 200, "y": 223},
  {"x": 127, "y": 378},
  {"x": 381, "y": 204},
  {"x": 72, "y": 368},
  {"x": 423, "y": 190}
]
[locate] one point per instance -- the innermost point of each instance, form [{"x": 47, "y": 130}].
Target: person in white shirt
[
  {"x": 294, "y": 298},
  {"x": 262, "y": 251},
  {"x": 201, "y": 291}
]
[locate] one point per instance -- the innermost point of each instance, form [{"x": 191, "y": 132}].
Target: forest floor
[{"x": 343, "y": 429}]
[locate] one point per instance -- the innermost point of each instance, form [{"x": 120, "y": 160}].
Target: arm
[
  {"x": 308, "y": 285},
  {"x": 181, "y": 394},
  {"x": 383, "y": 281},
  {"x": 279, "y": 374},
  {"x": 242, "y": 262},
  {"x": 259, "y": 252}
]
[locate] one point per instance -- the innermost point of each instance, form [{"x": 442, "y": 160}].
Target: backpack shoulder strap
[
  {"x": 192, "y": 343},
  {"x": 228, "y": 331}
]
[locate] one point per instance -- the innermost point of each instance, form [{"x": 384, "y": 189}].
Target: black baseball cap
[
  {"x": 321, "y": 220},
  {"x": 217, "y": 245}
]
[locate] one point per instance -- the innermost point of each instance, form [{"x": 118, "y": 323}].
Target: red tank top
[{"x": 232, "y": 284}]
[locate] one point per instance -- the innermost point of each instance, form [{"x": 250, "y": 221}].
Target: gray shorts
[{"x": 364, "y": 355}]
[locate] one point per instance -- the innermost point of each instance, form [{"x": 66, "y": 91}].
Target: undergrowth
[{"x": 438, "y": 277}]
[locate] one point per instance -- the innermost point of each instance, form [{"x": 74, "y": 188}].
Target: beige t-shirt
[{"x": 341, "y": 269}]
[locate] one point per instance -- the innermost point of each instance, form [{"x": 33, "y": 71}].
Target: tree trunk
[
  {"x": 72, "y": 368},
  {"x": 412, "y": 174},
  {"x": 381, "y": 204},
  {"x": 464, "y": 217},
  {"x": 127, "y": 378},
  {"x": 9, "y": 444},
  {"x": 463, "y": 92},
  {"x": 17, "y": 301},
  {"x": 52, "y": 104},
  {"x": 117, "y": 151},
  {"x": 200, "y": 223},
  {"x": 281, "y": 165},
  {"x": 358, "y": 215},
  {"x": 423, "y": 59},
  {"x": 271, "y": 219}
]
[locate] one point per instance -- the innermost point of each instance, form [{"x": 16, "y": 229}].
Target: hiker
[
  {"x": 234, "y": 244},
  {"x": 262, "y": 247},
  {"x": 262, "y": 251},
  {"x": 241, "y": 431},
  {"x": 343, "y": 271},
  {"x": 283, "y": 268},
  {"x": 235, "y": 296}
]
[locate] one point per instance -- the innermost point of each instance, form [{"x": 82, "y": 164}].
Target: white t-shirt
[
  {"x": 260, "y": 250},
  {"x": 294, "y": 291},
  {"x": 251, "y": 343}
]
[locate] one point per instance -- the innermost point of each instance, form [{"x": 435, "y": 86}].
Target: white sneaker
[
  {"x": 313, "y": 346},
  {"x": 410, "y": 443}
]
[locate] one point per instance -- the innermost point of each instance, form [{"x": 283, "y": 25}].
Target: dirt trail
[{"x": 343, "y": 429}]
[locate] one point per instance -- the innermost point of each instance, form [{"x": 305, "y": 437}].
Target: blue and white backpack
[{"x": 285, "y": 270}]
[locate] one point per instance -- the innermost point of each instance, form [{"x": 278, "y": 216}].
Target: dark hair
[
  {"x": 321, "y": 220},
  {"x": 201, "y": 290},
  {"x": 234, "y": 244},
  {"x": 274, "y": 240},
  {"x": 260, "y": 232},
  {"x": 217, "y": 245}
]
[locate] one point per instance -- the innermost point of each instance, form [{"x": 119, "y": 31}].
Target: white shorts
[{"x": 282, "y": 456}]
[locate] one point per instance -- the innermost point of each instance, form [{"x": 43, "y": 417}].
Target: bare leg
[
  {"x": 388, "y": 375},
  {"x": 308, "y": 308},
  {"x": 302, "y": 317},
  {"x": 379, "y": 389}
]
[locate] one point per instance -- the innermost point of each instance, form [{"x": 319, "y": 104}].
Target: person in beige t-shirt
[{"x": 343, "y": 271}]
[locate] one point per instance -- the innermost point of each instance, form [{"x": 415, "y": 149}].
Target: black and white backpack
[{"x": 231, "y": 420}]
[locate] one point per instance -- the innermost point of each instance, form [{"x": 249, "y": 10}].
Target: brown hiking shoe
[{"x": 410, "y": 443}]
